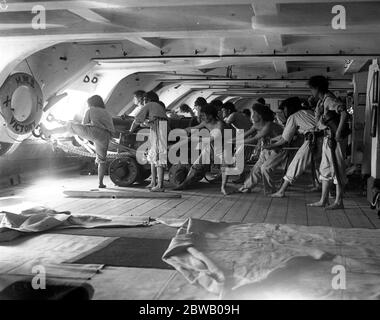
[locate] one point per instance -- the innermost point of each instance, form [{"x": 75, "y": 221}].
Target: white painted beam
[
  {"x": 280, "y": 66},
  {"x": 354, "y": 66},
  {"x": 273, "y": 41},
  {"x": 61, "y": 5},
  {"x": 23, "y": 26},
  {"x": 264, "y": 7},
  {"x": 89, "y": 15},
  {"x": 71, "y": 4},
  {"x": 96, "y": 33},
  {"x": 147, "y": 43}
]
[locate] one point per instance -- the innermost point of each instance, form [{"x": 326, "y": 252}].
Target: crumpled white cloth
[
  {"x": 39, "y": 219},
  {"x": 255, "y": 260}
]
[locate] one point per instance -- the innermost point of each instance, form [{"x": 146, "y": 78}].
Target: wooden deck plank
[
  {"x": 58, "y": 204},
  {"x": 239, "y": 210},
  {"x": 297, "y": 212},
  {"x": 201, "y": 208},
  {"x": 147, "y": 206},
  {"x": 73, "y": 206},
  {"x": 315, "y": 216},
  {"x": 164, "y": 207},
  {"x": 110, "y": 207},
  {"x": 218, "y": 211},
  {"x": 182, "y": 208},
  {"x": 338, "y": 219},
  {"x": 355, "y": 215},
  {"x": 87, "y": 206},
  {"x": 259, "y": 209},
  {"x": 277, "y": 211},
  {"x": 124, "y": 209},
  {"x": 369, "y": 213}
]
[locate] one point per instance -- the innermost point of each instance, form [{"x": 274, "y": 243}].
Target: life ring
[{"x": 17, "y": 89}]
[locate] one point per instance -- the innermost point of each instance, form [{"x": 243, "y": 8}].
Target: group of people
[
  {"x": 321, "y": 122},
  {"x": 327, "y": 123}
]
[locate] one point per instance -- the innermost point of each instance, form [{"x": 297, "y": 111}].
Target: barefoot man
[
  {"x": 267, "y": 129},
  {"x": 97, "y": 127},
  {"x": 332, "y": 168},
  {"x": 215, "y": 126},
  {"x": 303, "y": 122}
]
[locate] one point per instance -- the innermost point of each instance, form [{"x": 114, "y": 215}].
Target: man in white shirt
[{"x": 303, "y": 122}]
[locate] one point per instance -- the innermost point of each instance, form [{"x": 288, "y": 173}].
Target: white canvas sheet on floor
[{"x": 276, "y": 261}]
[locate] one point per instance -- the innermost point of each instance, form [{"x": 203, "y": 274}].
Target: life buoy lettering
[{"x": 11, "y": 84}]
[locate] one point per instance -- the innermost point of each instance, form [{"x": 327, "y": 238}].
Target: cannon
[{"x": 123, "y": 167}]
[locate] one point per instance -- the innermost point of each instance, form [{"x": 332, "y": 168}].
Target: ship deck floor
[{"x": 204, "y": 201}]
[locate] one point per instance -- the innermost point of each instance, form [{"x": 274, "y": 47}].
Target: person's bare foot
[
  {"x": 319, "y": 204},
  {"x": 227, "y": 191},
  {"x": 224, "y": 191},
  {"x": 150, "y": 185},
  {"x": 277, "y": 194},
  {"x": 244, "y": 190},
  {"x": 102, "y": 186},
  {"x": 157, "y": 189},
  {"x": 335, "y": 206}
]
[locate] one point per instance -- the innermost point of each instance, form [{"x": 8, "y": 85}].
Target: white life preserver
[{"x": 31, "y": 121}]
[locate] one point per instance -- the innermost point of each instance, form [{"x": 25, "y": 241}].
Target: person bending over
[
  {"x": 154, "y": 115},
  {"x": 303, "y": 122},
  {"x": 211, "y": 122},
  {"x": 186, "y": 111},
  {"x": 236, "y": 119},
  {"x": 269, "y": 160},
  {"x": 198, "y": 104},
  {"x": 138, "y": 102},
  {"x": 97, "y": 127}
]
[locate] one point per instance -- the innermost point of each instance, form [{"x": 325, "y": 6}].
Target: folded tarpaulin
[
  {"x": 225, "y": 258},
  {"x": 39, "y": 219}
]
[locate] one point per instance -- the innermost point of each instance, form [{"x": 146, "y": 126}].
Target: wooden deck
[{"x": 203, "y": 202}]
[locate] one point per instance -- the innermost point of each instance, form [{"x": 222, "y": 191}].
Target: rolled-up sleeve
[{"x": 290, "y": 129}]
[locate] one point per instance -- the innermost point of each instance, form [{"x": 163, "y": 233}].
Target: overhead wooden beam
[
  {"x": 71, "y": 4},
  {"x": 273, "y": 41},
  {"x": 89, "y": 15},
  {"x": 354, "y": 66},
  {"x": 280, "y": 66},
  {"x": 264, "y": 7},
  {"x": 97, "y": 33},
  {"x": 61, "y": 5},
  {"x": 308, "y": 22},
  {"x": 249, "y": 57},
  {"x": 147, "y": 43},
  {"x": 23, "y": 26}
]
